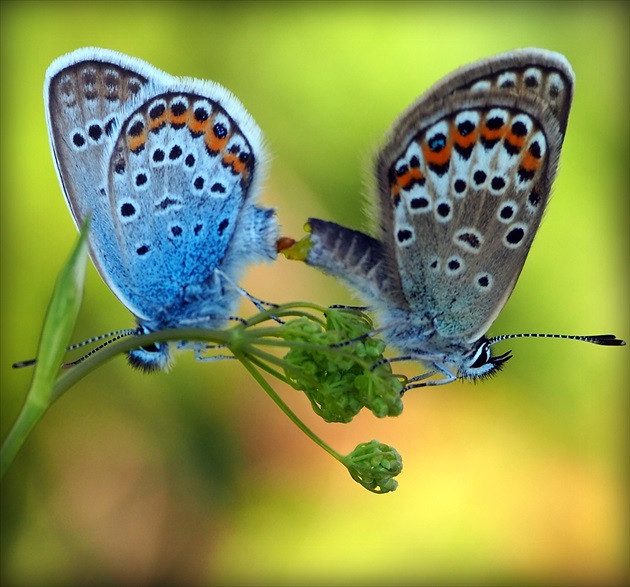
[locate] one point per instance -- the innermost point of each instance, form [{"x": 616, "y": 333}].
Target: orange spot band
[
  {"x": 136, "y": 142},
  {"x": 437, "y": 158},
  {"x": 413, "y": 174},
  {"x": 530, "y": 163}
]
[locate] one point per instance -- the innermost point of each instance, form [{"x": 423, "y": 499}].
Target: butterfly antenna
[
  {"x": 117, "y": 335},
  {"x": 602, "y": 339},
  {"x": 372, "y": 332}
]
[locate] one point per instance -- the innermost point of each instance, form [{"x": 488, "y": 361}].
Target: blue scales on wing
[{"x": 177, "y": 179}]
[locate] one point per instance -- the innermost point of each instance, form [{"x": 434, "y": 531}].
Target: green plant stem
[
  {"x": 264, "y": 367},
  {"x": 284, "y": 310},
  {"x": 241, "y": 341},
  {"x": 283, "y": 406},
  {"x": 309, "y": 346},
  {"x": 30, "y": 415}
]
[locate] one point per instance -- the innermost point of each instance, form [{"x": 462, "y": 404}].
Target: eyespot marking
[
  {"x": 454, "y": 266},
  {"x": 469, "y": 239},
  {"x": 405, "y": 236},
  {"x": 507, "y": 211},
  {"x": 483, "y": 282},
  {"x": 514, "y": 236},
  {"x": 127, "y": 210},
  {"x": 443, "y": 211}
]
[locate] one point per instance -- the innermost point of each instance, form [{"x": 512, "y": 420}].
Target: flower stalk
[{"x": 329, "y": 355}]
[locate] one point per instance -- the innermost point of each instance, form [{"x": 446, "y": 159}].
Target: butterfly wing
[
  {"x": 165, "y": 166},
  {"x": 86, "y": 95},
  {"x": 463, "y": 182},
  {"x": 181, "y": 183}
]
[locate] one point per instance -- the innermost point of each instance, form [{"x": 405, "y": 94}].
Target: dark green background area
[{"x": 194, "y": 477}]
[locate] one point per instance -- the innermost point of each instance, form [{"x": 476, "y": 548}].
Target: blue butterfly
[{"x": 169, "y": 169}]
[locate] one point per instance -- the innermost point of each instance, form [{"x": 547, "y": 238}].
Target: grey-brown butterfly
[{"x": 462, "y": 183}]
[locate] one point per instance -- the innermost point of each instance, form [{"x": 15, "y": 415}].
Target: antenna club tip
[
  {"x": 609, "y": 340},
  {"x": 22, "y": 364}
]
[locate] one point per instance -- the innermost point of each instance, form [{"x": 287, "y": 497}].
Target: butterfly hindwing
[{"x": 178, "y": 178}]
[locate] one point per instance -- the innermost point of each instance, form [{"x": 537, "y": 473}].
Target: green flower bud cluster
[
  {"x": 337, "y": 375},
  {"x": 374, "y": 465}
]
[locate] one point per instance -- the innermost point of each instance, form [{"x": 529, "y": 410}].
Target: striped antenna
[
  {"x": 603, "y": 339},
  {"x": 113, "y": 336}
]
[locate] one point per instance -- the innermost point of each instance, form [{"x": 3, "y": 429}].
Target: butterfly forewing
[
  {"x": 84, "y": 99},
  {"x": 86, "y": 95},
  {"x": 464, "y": 181}
]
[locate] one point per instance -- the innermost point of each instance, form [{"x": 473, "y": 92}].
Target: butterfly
[
  {"x": 169, "y": 170},
  {"x": 462, "y": 184}
]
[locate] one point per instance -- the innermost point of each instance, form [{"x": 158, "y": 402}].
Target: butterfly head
[
  {"x": 150, "y": 358},
  {"x": 480, "y": 363}
]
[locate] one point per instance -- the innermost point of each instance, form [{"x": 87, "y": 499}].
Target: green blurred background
[{"x": 195, "y": 477}]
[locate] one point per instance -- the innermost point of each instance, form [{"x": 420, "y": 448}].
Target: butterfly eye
[
  {"x": 481, "y": 357},
  {"x": 482, "y": 364},
  {"x": 150, "y": 358},
  {"x": 151, "y": 348}
]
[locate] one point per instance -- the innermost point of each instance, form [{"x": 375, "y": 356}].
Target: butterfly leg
[
  {"x": 449, "y": 377},
  {"x": 260, "y": 304},
  {"x": 421, "y": 378},
  {"x": 391, "y": 360},
  {"x": 211, "y": 358},
  {"x": 200, "y": 348}
]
